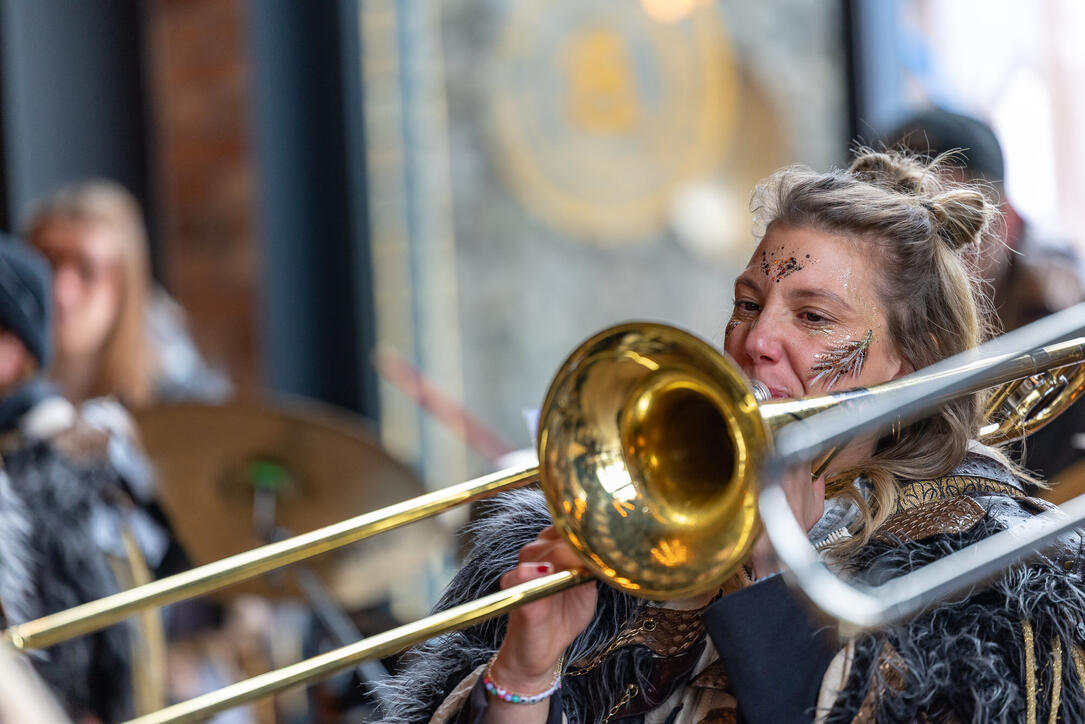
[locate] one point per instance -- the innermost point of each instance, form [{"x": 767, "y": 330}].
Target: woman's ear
[
  {"x": 905, "y": 369},
  {"x": 13, "y": 360}
]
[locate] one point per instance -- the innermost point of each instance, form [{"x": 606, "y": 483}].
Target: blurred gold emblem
[{"x": 602, "y": 112}]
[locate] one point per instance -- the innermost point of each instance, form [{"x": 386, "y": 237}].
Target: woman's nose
[
  {"x": 65, "y": 287},
  {"x": 763, "y": 341}
]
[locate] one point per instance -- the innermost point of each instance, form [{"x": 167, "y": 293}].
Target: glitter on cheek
[
  {"x": 733, "y": 324},
  {"x": 878, "y": 317},
  {"x": 842, "y": 360}
]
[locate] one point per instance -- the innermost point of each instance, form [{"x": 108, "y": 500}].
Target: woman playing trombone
[{"x": 860, "y": 276}]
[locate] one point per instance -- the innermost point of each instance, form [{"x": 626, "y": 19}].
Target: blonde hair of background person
[{"x": 95, "y": 239}]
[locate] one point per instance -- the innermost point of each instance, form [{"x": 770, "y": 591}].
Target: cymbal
[{"x": 315, "y": 466}]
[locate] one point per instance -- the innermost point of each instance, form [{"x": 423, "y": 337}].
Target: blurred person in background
[
  {"x": 74, "y": 524},
  {"x": 117, "y": 334},
  {"x": 1031, "y": 274}
]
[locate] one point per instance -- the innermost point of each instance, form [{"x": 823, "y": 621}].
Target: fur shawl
[
  {"x": 430, "y": 671},
  {"x": 1009, "y": 652},
  {"x": 49, "y": 507}
]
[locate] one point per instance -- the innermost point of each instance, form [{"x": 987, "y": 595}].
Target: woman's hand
[
  {"x": 539, "y": 632},
  {"x": 807, "y": 500}
]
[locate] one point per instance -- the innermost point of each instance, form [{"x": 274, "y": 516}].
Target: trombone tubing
[
  {"x": 94, "y": 615},
  {"x": 856, "y": 608},
  {"x": 389, "y": 642},
  {"x": 383, "y": 644}
]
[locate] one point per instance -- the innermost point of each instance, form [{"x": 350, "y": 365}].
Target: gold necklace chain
[
  {"x": 630, "y": 692},
  {"x": 649, "y": 624}
]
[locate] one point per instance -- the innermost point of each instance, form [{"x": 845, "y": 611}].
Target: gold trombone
[{"x": 650, "y": 446}]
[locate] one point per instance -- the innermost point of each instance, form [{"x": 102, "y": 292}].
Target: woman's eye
[
  {"x": 814, "y": 317},
  {"x": 746, "y": 306}
]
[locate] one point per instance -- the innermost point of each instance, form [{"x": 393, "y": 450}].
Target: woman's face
[
  {"x": 806, "y": 317},
  {"x": 86, "y": 284}
]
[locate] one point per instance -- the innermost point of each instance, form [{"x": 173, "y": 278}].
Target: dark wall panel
[
  {"x": 314, "y": 342},
  {"x": 73, "y": 100}
]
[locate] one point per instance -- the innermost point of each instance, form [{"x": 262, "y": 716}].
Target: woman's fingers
[
  {"x": 549, "y": 533},
  {"x": 550, "y": 546},
  {"x": 533, "y": 551},
  {"x": 525, "y": 572},
  {"x": 540, "y": 631},
  {"x": 558, "y": 556}
]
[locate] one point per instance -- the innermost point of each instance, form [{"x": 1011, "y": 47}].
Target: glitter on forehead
[
  {"x": 843, "y": 360},
  {"x": 782, "y": 265},
  {"x": 845, "y": 278}
]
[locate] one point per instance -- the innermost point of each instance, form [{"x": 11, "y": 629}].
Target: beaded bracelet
[{"x": 505, "y": 695}]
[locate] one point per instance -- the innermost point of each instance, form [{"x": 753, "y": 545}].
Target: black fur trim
[
  {"x": 430, "y": 671},
  {"x": 49, "y": 562},
  {"x": 965, "y": 659}
]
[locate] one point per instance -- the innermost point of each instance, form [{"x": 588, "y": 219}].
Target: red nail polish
[{"x": 543, "y": 568}]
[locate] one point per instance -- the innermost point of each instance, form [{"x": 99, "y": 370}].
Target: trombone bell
[{"x": 647, "y": 454}]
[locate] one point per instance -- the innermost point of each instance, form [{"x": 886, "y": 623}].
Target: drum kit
[{"x": 238, "y": 476}]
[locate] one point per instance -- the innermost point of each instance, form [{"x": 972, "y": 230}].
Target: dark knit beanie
[
  {"x": 26, "y": 298},
  {"x": 935, "y": 131}
]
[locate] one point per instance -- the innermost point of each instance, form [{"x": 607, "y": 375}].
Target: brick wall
[{"x": 203, "y": 172}]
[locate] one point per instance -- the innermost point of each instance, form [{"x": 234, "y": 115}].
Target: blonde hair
[
  {"x": 128, "y": 364},
  {"x": 921, "y": 224}
]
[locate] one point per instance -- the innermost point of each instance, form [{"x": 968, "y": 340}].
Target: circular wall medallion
[{"x": 600, "y": 113}]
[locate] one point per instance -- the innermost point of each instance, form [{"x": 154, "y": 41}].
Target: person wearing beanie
[
  {"x": 1044, "y": 275},
  {"x": 25, "y": 331},
  {"x": 25, "y": 307},
  {"x": 1031, "y": 275},
  {"x": 75, "y": 491}
]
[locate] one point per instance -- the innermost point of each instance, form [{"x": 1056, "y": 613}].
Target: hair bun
[
  {"x": 961, "y": 216},
  {"x": 895, "y": 172}
]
